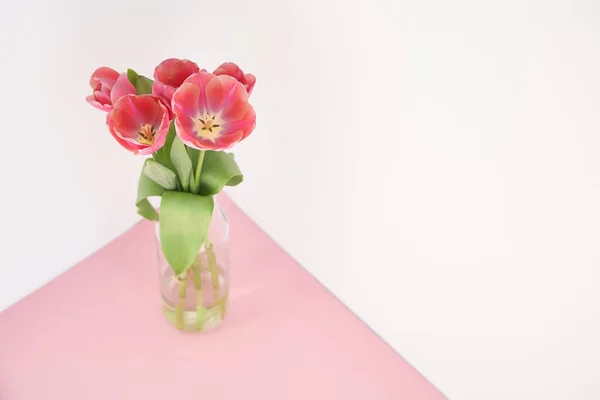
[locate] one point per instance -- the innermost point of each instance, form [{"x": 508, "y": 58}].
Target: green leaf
[
  {"x": 143, "y": 85},
  {"x": 182, "y": 163},
  {"x": 218, "y": 170},
  {"x": 193, "y": 153},
  {"x": 147, "y": 188},
  {"x": 163, "y": 155},
  {"x": 146, "y": 210},
  {"x": 183, "y": 224},
  {"x": 160, "y": 174},
  {"x": 132, "y": 76},
  {"x": 235, "y": 180}
]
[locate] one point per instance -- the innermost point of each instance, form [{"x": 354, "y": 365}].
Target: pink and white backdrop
[{"x": 434, "y": 164}]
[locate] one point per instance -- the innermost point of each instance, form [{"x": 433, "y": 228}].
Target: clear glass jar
[{"x": 197, "y": 300}]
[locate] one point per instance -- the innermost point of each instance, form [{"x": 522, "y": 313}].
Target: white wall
[
  {"x": 435, "y": 164},
  {"x": 439, "y": 171}
]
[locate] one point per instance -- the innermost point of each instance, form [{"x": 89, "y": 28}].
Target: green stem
[
  {"x": 196, "y": 270},
  {"x": 199, "y": 169},
  {"x": 212, "y": 267},
  {"x": 179, "y": 312},
  {"x": 224, "y": 304}
]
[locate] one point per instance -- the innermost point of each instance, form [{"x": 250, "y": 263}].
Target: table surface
[{"x": 97, "y": 332}]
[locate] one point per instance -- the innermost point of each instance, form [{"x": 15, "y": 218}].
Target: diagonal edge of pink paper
[{"x": 97, "y": 332}]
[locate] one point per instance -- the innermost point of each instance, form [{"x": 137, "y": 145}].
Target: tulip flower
[
  {"x": 231, "y": 69},
  {"x": 212, "y": 112},
  {"x": 139, "y": 123},
  {"x": 170, "y": 74},
  {"x": 107, "y": 87}
]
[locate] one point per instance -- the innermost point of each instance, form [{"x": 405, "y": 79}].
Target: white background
[{"x": 435, "y": 164}]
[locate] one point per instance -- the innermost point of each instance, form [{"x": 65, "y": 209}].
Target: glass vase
[{"x": 197, "y": 300}]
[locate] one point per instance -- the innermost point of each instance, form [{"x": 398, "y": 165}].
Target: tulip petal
[
  {"x": 161, "y": 90},
  {"x": 125, "y": 143},
  {"x": 212, "y": 112},
  {"x": 102, "y": 98},
  {"x": 235, "y": 110},
  {"x": 121, "y": 88},
  {"x": 145, "y": 110},
  {"x": 102, "y": 107},
  {"x": 173, "y": 71},
  {"x": 103, "y": 73},
  {"x": 124, "y": 123},
  {"x": 222, "y": 92},
  {"x": 226, "y": 141},
  {"x": 161, "y": 134},
  {"x": 185, "y": 134},
  {"x": 188, "y": 100},
  {"x": 104, "y": 90},
  {"x": 170, "y": 74},
  {"x": 133, "y": 115},
  {"x": 246, "y": 124},
  {"x": 201, "y": 79},
  {"x": 102, "y": 81},
  {"x": 250, "y": 82},
  {"x": 231, "y": 69},
  {"x": 187, "y": 123}
]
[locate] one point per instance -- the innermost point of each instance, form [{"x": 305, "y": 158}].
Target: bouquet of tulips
[{"x": 185, "y": 118}]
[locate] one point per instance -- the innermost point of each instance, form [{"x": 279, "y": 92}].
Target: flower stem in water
[
  {"x": 198, "y": 286},
  {"x": 181, "y": 304},
  {"x": 212, "y": 266}
]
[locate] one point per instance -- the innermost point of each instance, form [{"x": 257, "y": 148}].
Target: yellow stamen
[
  {"x": 146, "y": 135},
  {"x": 206, "y": 128}
]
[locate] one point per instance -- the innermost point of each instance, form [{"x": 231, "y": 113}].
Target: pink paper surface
[{"x": 97, "y": 332}]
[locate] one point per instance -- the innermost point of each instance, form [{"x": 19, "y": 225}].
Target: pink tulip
[
  {"x": 139, "y": 123},
  {"x": 231, "y": 69},
  {"x": 122, "y": 88},
  {"x": 102, "y": 81},
  {"x": 212, "y": 112},
  {"x": 107, "y": 87},
  {"x": 170, "y": 74}
]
